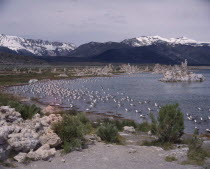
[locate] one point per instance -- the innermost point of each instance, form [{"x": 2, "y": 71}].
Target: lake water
[{"x": 127, "y": 95}]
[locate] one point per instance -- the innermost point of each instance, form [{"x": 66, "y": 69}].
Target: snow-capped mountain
[
  {"x": 151, "y": 40},
  {"x": 145, "y": 49},
  {"x": 35, "y": 47}
]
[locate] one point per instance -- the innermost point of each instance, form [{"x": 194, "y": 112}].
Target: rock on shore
[
  {"x": 30, "y": 138},
  {"x": 177, "y": 73}
]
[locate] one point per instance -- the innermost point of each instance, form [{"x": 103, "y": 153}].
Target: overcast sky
[{"x": 81, "y": 21}]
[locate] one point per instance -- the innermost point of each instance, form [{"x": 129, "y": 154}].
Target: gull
[
  {"x": 142, "y": 116},
  {"x": 190, "y": 118},
  {"x": 208, "y": 130}
]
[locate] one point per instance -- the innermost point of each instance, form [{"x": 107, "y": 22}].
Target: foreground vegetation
[
  {"x": 27, "y": 111},
  {"x": 168, "y": 126},
  {"x": 72, "y": 130},
  {"x": 196, "y": 154}
]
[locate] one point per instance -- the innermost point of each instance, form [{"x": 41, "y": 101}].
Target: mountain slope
[
  {"x": 14, "y": 59},
  {"x": 35, "y": 47},
  {"x": 146, "y": 49},
  {"x": 95, "y": 48},
  {"x": 152, "y": 40},
  {"x": 161, "y": 53}
]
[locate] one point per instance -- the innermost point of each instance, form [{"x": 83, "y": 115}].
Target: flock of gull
[{"x": 90, "y": 95}]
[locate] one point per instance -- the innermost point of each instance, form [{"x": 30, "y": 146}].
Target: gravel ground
[{"x": 107, "y": 156}]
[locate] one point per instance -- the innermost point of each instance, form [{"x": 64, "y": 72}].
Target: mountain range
[
  {"x": 144, "y": 50},
  {"x": 33, "y": 47}
]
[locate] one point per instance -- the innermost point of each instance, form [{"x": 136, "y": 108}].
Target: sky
[{"x": 82, "y": 21}]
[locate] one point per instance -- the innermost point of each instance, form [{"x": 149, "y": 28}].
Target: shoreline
[{"x": 63, "y": 108}]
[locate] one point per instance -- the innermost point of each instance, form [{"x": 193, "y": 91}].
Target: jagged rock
[
  {"x": 9, "y": 115},
  {"x": 51, "y": 119},
  {"x": 91, "y": 139},
  {"x": 33, "y": 81},
  {"x": 63, "y": 75},
  {"x": 50, "y": 109},
  {"x": 20, "y": 157},
  {"x": 46, "y": 121},
  {"x": 149, "y": 133},
  {"x": 131, "y": 150},
  {"x": 178, "y": 74},
  {"x": 49, "y": 137},
  {"x": 97, "y": 71},
  {"x": 127, "y": 68},
  {"x": 24, "y": 136},
  {"x": 206, "y": 145},
  {"x": 24, "y": 141},
  {"x": 4, "y": 151},
  {"x": 43, "y": 153},
  {"x": 129, "y": 129}
]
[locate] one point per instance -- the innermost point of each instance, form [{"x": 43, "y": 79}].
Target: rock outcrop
[
  {"x": 177, "y": 73},
  {"x": 129, "y": 129},
  {"x": 26, "y": 136}
]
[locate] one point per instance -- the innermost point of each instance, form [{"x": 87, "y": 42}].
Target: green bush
[
  {"x": 169, "y": 126},
  {"x": 71, "y": 130},
  {"x": 5, "y": 98},
  {"x": 196, "y": 154},
  {"x": 129, "y": 123},
  {"x": 144, "y": 127},
  {"x": 164, "y": 145},
  {"x": 26, "y": 111},
  {"x": 153, "y": 124},
  {"x": 119, "y": 124},
  {"x": 109, "y": 133},
  {"x": 170, "y": 158}
]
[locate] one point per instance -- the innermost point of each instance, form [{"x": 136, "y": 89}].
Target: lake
[{"x": 128, "y": 96}]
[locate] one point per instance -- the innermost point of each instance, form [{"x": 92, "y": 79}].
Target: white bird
[
  {"x": 190, "y": 118},
  {"x": 199, "y": 109},
  {"x": 142, "y": 116},
  {"x": 208, "y": 130}
]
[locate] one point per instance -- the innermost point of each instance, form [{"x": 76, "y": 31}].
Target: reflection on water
[{"x": 127, "y": 95}]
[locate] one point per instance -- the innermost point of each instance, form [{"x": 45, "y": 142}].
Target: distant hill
[
  {"x": 14, "y": 59},
  {"x": 143, "y": 50}
]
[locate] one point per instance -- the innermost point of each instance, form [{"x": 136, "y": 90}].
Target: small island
[{"x": 177, "y": 73}]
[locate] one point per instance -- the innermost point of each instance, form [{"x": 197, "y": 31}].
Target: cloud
[
  {"x": 81, "y": 21},
  {"x": 2, "y": 5}
]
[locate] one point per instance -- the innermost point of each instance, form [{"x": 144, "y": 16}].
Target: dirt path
[{"x": 106, "y": 156}]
